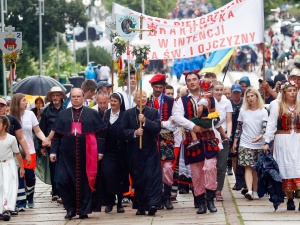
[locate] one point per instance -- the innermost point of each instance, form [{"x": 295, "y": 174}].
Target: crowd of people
[{"x": 104, "y": 147}]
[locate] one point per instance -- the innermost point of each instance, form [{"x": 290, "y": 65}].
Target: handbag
[{"x": 42, "y": 170}]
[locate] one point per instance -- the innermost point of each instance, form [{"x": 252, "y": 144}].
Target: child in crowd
[
  {"x": 207, "y": 117},
  {"x": 8, "y": 169}
]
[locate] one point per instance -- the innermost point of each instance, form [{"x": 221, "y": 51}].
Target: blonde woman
[
  {"x": 284, "y": 125},
  {"x": 252, "y": 122},
  {"x": 29, "y": 122}
]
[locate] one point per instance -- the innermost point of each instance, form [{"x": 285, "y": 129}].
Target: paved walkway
[{"x": 234, "y": 210}]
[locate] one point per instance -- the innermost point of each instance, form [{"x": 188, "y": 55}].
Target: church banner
[{"x": 238, "y": 23}]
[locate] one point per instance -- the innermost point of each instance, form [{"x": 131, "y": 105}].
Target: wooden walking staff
[{"x": 139, "y": 68}]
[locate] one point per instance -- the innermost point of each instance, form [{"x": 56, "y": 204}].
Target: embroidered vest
[
  {"x": 286, "y": 122},
  {"x": 166, "y": 107}
]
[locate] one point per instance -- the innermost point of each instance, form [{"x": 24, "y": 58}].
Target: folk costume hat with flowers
[
  {"x": 288, "y": 84},
  {"x": 158, "y": 79},
  {"x": 196, "y": 72}
]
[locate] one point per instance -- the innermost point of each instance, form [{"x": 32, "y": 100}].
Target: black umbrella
[{"x": 36, "y": 85}]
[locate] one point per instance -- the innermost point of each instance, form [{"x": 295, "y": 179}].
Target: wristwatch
[{"x": 266, "y": 143}]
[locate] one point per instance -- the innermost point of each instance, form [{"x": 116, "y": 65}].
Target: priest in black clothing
[
  {"x": 144, "y": 163},
  {"x": 77, "y": 145}
]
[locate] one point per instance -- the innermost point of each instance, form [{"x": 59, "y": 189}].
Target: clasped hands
[{"x": 140, "y": 131}]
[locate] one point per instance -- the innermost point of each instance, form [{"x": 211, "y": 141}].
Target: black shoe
[
  {"x": 290, "y": 205},
  {"x": 69, "y": 215},
  {"x": 140, "y": 212},
  {"x": 210, "y": 195},
  {"x": 120, "y": 209},
  {"x": 55, "y": 197},
  {"x": 201, "y": 200},
  {"x": 109, "y": 208},
  {"x": 83, "y": 217},
  {"x": 211, "y": 206},
  {"x": 152, "y": 210},
  {"x": 6, "y": 216},
  {"x": 14, "y": 213},
  {"x": 168, "y": 204},
  {"x": 196, "y": 200},
  {"x": 244, "y": 191}
]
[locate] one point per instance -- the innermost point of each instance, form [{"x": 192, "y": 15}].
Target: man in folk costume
[
  {"x": 78, "y": 145},
  {"x": 143, "y": 160},
  {"x": 202, "y": 159},
  {"x": 164, "y": 105}
]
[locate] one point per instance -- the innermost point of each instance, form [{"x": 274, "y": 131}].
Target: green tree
[
  {"x": 97, "y": 54},
  {"x": 155, "y": 8},
  {"x": 24, "y": 16}
]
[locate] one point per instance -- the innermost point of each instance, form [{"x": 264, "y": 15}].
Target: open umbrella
[{"x": 36, "y": 85}]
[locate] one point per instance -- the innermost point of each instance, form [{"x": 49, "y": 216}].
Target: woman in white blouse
[
  {"x": 284, "y": 128},
  {"x": 29, "y": 122}
]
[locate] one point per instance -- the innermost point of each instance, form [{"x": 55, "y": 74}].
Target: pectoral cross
[{"x": 75, "y": 131}]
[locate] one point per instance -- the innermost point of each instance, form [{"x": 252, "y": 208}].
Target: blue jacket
[{"x": 269, "y": 180}]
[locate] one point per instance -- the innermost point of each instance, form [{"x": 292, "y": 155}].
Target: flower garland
[
  {"x": 140, "y": 49},
  {"x": 289, "y": 83},
  {"x": 122, "y": 75},
  {"x": 11, "y": 60},
  {"x": 119, "y": 45}
]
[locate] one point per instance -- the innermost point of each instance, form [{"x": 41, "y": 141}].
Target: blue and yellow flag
[{"x": 217, "y": 61}]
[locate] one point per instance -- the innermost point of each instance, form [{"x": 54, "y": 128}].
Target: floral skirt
[{"x": 247, "y": 156}]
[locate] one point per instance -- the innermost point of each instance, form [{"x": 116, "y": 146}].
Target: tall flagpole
[{"x": 263, "y": 48}]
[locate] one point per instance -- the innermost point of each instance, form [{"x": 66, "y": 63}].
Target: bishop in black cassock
[
  {"x": 144, "y": 163},
  {"x": 77, "y": 145}
]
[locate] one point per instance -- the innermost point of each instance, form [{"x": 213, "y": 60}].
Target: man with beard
[
  {"x": 55, "y": 96},
  {"x": 144, "y": 160},
  {"x": 78, "y": 145}
]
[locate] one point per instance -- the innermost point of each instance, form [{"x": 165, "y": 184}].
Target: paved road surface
[{"x": 234, "y": 210}]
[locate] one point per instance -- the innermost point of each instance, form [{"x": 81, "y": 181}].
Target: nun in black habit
[
  {"x": 114, "y": 165},
  {"x": 143, "y": 164}
]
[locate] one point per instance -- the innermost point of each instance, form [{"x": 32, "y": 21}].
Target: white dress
[
  {"x": 286, "y": 147},
  {"x": 8, "y": 173}
]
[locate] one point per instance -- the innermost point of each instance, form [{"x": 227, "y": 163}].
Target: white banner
[{"x": 238, "y": 23}]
